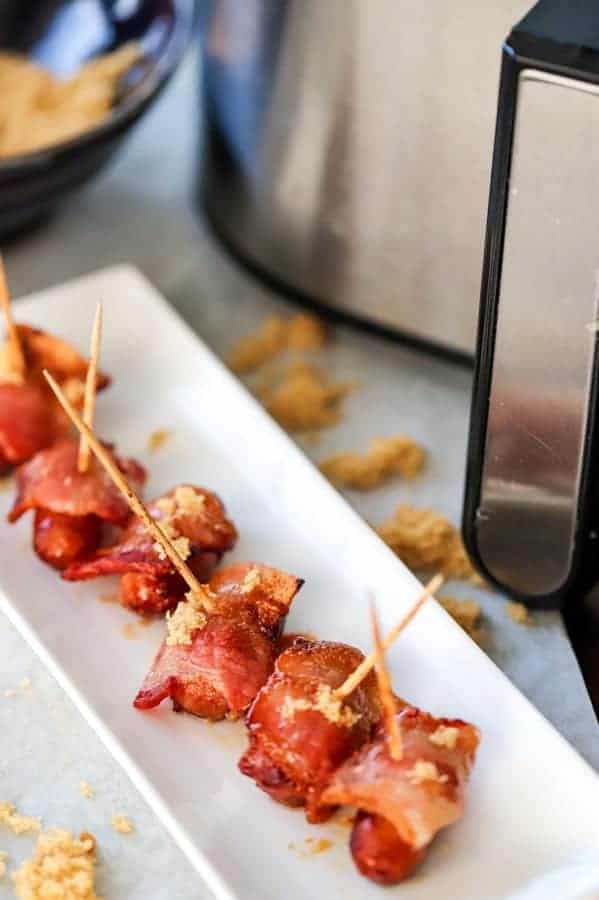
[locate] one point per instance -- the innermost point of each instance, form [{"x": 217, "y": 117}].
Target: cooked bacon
[
  {"x": 52, "y": 481},
  {"x": 151, "y": 586},
  {"x": 70, "y": 506},
  {"x": 30, "y": 418},
  {"x": 416, "y": 795},
  {"x": 28, "y": 423},
  {"x": 294, "y": 746},
  {"x": 45, "y": 351},
  {"x": 232, "y": 655}
]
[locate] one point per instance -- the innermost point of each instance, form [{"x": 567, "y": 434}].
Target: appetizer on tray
[
  {"x": 30, "y": 418},
  {"x": 69, "y": 492},
  {"x": 324, "y": 729}
]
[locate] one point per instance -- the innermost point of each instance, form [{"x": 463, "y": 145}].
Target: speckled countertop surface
[{"x": 141, "y": 211}]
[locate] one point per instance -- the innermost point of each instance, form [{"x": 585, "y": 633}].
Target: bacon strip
[
  {"x": 51, "y": 481},
  {"x": 150, "y": 585},
  {"x": 30, "y": 418},
  {"x": 417, "y": 795},
  {"x": 298, "y": 734},
  {"x": 232, "y": 655}
]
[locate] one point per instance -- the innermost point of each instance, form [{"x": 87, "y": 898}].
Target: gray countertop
[{"x": 141, "y": 211}]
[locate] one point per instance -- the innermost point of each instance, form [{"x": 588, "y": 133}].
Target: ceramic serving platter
[{"x": 532, "y": 804}]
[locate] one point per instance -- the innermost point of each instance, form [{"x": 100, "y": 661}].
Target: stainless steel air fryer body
[{"x": 349, "y": 148}]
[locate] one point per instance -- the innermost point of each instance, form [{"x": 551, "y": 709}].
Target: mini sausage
[
  {"x": 60, "y": 539},
  {"x": 379, "y": 852}
]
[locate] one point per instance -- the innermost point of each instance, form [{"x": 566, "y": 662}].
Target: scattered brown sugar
[
  {"x": 129, "y": 630},
  {"x": 306, "y": 332},
  {"x": 467, "y": 613},
  {"x": 318, "y": 845},
  {"x": 61, "y": 868},
  {"x": 304, "y": 399},
  {"x": 158, "y": 439},
  {"x": 187, "y": 619},
  {"x": 518, "y": 613},
  {"x": 427, "y": 541},
  {"x": 122, "y": 824},
  {"x": 302, "y": 332},
  {"x": 86, "y": 790},
  {"x": 3, "y": 858},
  {"x": 18, "y": 824},
  {"x": 385, "y": 458}
]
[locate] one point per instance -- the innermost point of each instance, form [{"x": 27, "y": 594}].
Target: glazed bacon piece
[
  {"x": 404, "y": 803},
  {"x": 30, "y": 418},
  {"x": 195, "y": 521},
  {"x": 70, "y": 506},
  {"x": 213, "y": 663},
  {"x": 299, "y": 731}
]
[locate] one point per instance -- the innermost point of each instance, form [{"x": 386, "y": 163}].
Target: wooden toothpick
[
  {"x": 89, "y": 402},
  {"x": 152, "y": 526},
  {"x": 353, "y": 680},
  {"x": 385, "y": 690},
  {"x": 17, "y": 356}
]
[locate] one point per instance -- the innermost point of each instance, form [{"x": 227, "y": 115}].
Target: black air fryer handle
[{"x": 524, "y": 495}]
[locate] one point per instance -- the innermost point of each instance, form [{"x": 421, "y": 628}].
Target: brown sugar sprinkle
[
  {"x": 385, "y": 458},
  {"x": 61, "y": 868},
  {"x": 318, "y": 845},
  {"x": 426, "y": 541},
  {"x": 183, "y": 623},
  {"x": 122, "y": 824},
  {"x": 518, "y": 613},
  {"x": 467, "y": 613},
  {"x": 3, "y": 858},
  {"x": 304, "y": 399},
  {"x": 302, "y": 332},
  {"x": 158, "y": 439},
  {"x": 18, "y": 824},
  {"x": 86, "y": 790}
]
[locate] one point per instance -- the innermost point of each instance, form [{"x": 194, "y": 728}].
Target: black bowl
[{"x": 62, "y": 36}]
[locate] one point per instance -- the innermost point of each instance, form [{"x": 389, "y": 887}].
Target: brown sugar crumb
[
  {"x": 325, "y": 702},
  {"x": 444, "y": 736},
  {"x": 385, "y": 458},
  {"x": 306, "y": 332},
  {"x": 62, "y": 868},
  {"x": 518, "y": 613},
  {"x": 122, "y": 824},
  {"x": 18, "y": 824},
  {"x": 259, "y": 347},
  {"x": 427, "y": 541},
  {"x": 187, "y": 618},
  {"x": 3, "y": 858},
  {"x": 86, "y": 790},
  {"x": 305, "y": 400},
  {"x": 158, "y": 439},
  {"x": 318, "y": 845},
  {"x": 301, "y": 332},
  {"x": 467, "y": 613},
  {"x": 423, "y": 770}
]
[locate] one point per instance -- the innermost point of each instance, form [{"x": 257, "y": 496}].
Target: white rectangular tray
[{"x": 533, "y": 803}]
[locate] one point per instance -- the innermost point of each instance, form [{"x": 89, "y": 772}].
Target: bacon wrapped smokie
[
  {"x": 404, "y": 803},
  {"x": 70, "y": 506},
  {"x": 299, "y": 731},
  {"x": 30, "y": 418},
  {"x": 195, "y": 521},
  {"x": 214, "y": 661}
]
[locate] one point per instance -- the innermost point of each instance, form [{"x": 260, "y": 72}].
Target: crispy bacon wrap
[
  {"x": 30, "y": 417},
  {"x": 213, "y": 662},
  {"x": 404, "y": 803},
  {"x": 70, "y": 506},
  {"x": 299, "y": 731},
  {"x": 195, "y": 521}
]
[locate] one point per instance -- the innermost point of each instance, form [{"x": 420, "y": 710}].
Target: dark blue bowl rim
[{"x": 186, "y": 16}]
